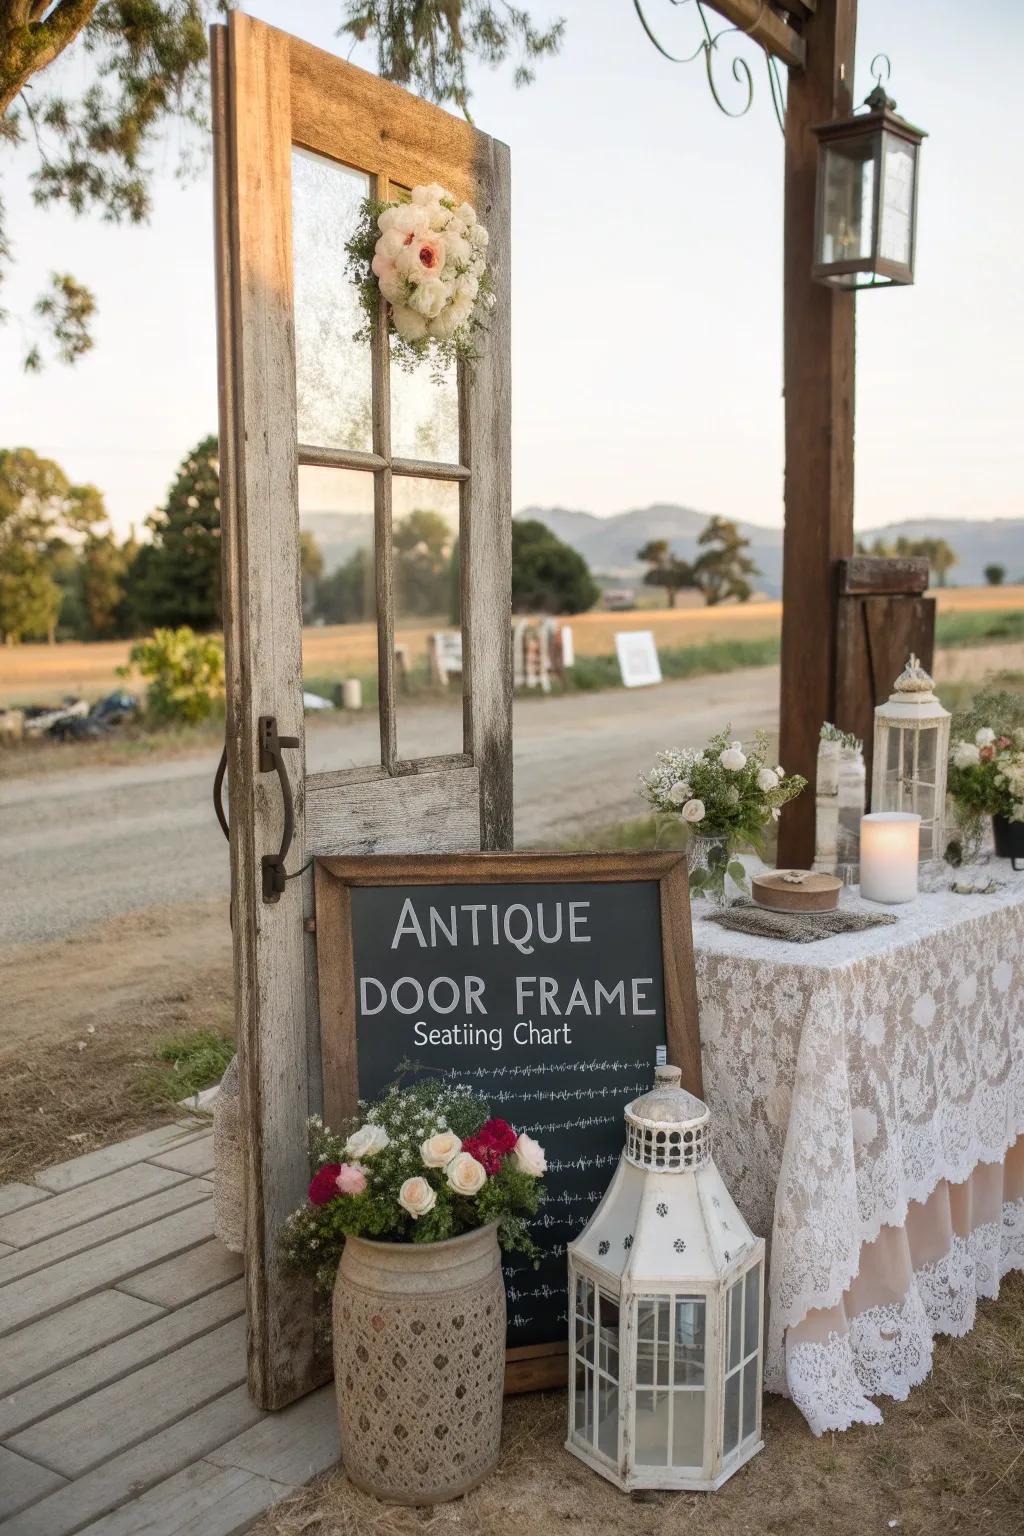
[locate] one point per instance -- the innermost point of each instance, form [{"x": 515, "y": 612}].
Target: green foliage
[
  {"x": 425, "y": 44},
  {"x": 189, "y": 1063},
  {"x": 847, "y": 739},
  {"x": 185, "y": 675},
  {"x": 176, "y": 577},
  {"x": 547, "y": 575},
  {"x": 722, "y": 570},
  {"x": 666, "y": 569},
  {"x": 423, "y": 545},
  {"x": 979, "y": 628},
  {"x": 148, "y": 67},
  {"x": 940, "y": 556},
  {"x": 995, "y": 575},
  {"x": 39, "y": 507}
]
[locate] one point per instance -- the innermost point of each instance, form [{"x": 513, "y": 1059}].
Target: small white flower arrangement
[
  {"x": 427, "y": 257},
  {"x": 725, "y": 791}
]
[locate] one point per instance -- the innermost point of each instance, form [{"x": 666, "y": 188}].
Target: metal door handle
[
  {"x": 271, "y": 746},
  {"x": 218, "y": 792}
]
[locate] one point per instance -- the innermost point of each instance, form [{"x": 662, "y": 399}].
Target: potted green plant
[
  {"x": 727, "y": 795},
  {"x": 404, "y": 1217}
]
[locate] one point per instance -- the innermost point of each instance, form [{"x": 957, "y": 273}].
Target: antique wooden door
[{"x": 319, "y": 429}]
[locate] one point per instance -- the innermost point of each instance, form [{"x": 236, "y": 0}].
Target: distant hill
[{"x": 609, "y": 544}]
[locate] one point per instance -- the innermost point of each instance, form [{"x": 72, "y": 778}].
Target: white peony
[
  {"x": 466, "y": 215},
  {"x": 679, "y": 792},
  {"x": 986, "y": 736},
  {"x": 429, "y": 298},
  {"x": 367, "y": 1142},
  {"x": 439, "y": 1150},
  {"x": 966, "y": 755},
  {"x": 767, "y": 779},
  {"x": 427, "y": 195},
  {"x": 733, "y": 758},
  {"x": 465, "y": 1175},
  {"x": 529, "y": 1156},
  {"x": 417, "y": 1197},
  {"x": 693, "y": 811}
]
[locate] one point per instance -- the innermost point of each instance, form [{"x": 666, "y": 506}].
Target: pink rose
[{"x": 351, "y": 1179}]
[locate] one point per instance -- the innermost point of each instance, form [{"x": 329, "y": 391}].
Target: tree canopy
[
  {"x": 720, "y": 571},
  {"x": 548, "y": 576},
  {"x": 41, "y": 512},
  {"x": 93, "y": 142}
]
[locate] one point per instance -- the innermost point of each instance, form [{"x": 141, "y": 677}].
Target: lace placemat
[{"x": 798, "y": 927}]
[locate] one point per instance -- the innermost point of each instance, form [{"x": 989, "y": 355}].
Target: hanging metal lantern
[
  {"x": 911, "y": 753},
  {"x": 865, "y": 232},
  {"x": 666, "y": 1299}
]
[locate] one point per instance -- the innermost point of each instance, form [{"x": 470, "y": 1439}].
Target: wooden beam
[
  {"x": 872, "y": 575},
  {"x": 818, "y": 349},
  {"x": 757, "y": 19}
]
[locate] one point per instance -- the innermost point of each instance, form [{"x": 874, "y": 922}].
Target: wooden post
[{"x": 819, "y": 385}]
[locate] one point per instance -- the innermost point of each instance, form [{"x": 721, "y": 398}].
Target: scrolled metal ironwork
[{"x": 739, "y": 67}]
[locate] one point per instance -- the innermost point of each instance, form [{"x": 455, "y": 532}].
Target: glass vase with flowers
[{"x": 727, "y": 794}]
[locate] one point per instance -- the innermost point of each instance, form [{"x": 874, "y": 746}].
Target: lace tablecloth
[{"x": 856, "y": 1084}]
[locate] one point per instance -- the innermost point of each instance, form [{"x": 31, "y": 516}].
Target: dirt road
[{"x": 92, "y": 845}]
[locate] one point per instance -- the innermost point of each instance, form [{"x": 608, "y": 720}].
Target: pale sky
[{"x": 647, "y": 300}]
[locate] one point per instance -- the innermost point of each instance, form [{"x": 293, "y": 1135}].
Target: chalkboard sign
[{"x": 551, "y": 985}]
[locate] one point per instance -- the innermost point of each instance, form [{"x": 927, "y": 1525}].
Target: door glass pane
[
  {"x": 428, "y": 639},
  {"x": 424, "y": 414},
  {"x": 332, "y": 370},
  {"x": 339, "y": 633},
  {"x": 688, "y": 1429}
]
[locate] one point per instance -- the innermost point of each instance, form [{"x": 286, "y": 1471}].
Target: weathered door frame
[{"x": 270, "y": 92}]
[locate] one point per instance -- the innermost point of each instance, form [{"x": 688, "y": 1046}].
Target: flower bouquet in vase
[
  {"x": 403, "y": 1221},
  {"x": 986, "y": 778},
  {"x": 727, "y": 795}
]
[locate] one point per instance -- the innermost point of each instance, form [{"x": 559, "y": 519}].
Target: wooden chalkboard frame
[{"x": 535, "y": 1366}]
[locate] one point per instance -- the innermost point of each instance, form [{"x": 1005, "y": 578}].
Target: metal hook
[{"x": 881, "y": 69}]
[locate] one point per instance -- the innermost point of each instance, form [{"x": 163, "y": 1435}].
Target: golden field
[{"x": 42, "y": 673}]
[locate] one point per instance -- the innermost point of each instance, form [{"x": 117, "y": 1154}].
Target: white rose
[
  {"x": 417, "y": 1197},
  {"x": 776, "y": 813},
  {"x": 465, "y": 1175},
  {"x": 780, "y": 772},
  {"x": 733, "y": 758},
  {"x": 966, "y": 755},
  {"x": 466, "y": 214},
  {"x": 767, "y": 779},
  {"x": 529, "y": 1156},
  {"x": 425, "y": 195},
  {"x": 679, "y": 792},
  {"x": 430, "y": 297},
  {"x": 444, "y": 325},
  {"x": 409, "y": 325},
  {"x": 479, "y": 236},
  {"x": 986, "y": 736},
  {"x": 693, "y": 811},
  {"x": 440, "y": 1149},
  {"x": 367, "y": 1142}
]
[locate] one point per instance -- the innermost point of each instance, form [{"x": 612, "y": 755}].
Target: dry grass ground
[
  {"x": 950, "y": 1460},
  {"x": 83, "y": 1017},
  {"x": 44, "y": 672}
]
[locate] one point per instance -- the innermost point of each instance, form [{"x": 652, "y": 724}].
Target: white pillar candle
[{"x": 888, "y": 855}]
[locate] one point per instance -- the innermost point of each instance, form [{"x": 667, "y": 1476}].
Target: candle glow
[{"x": 888, "y": 855}]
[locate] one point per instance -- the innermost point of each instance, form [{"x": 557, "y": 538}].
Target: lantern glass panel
[
  {"x": 688, "y": 1429},
  {"x": 848, "y": 214},
  {"x": 743, "y": 1309},
  {"x": 899, "y": 165},
  {"x": 651, "y": 1438},
  {"x": 688, "y": 1366}
]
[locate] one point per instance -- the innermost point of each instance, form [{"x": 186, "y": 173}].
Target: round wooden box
[{"x": 814, "y": 893}]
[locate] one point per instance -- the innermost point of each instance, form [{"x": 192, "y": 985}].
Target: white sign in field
[{"x": 638, "y": 658}]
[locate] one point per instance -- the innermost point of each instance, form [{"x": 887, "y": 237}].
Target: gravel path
[{"x": 93, "y": 844}]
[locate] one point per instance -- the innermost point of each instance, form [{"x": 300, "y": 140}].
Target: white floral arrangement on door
[{"x": 426, "y": 257}]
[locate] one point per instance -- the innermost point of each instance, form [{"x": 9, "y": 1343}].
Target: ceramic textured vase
[{"x": 419, "y": 1365}]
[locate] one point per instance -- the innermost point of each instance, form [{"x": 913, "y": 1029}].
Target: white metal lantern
[
  {"x": 666, "y": 1289},
  {"x": 910, "y": 756}
]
